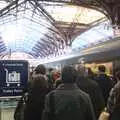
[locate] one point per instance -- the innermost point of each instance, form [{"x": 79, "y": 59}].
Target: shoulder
[
  {"x": 83, "y": 95},
  {"x": 117, "y": 85},
  {"x": 93, "y": 83},
  {"x": 53, "y": 92},
  {"x": 115, "y": 89}
]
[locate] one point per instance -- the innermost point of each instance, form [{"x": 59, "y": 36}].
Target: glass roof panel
[
  {"x": 22, "y": 28},
  {"x": 95, "y": 35},
  {"x": 77, "y": 14},
  {"x": 21, "y": 31},
  {"x": 3, "y": 4}
]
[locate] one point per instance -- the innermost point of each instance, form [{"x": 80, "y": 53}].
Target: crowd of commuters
[{"x": 70, "y": 94}]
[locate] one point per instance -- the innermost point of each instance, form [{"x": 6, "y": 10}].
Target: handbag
[{"x": 104, "y": 116}]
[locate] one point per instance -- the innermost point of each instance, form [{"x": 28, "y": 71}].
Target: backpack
[{"x": 19, "y": 111}]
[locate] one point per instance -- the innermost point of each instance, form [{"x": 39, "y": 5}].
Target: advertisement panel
[{"x": 13, "y": 77}]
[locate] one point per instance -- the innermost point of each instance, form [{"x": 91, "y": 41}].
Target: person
[
  {"x": 104, "y": 82},
  {"x": 92, "y": 88},
  {"x": 91, "y": 74},
  {"x": 40, "y": 71},
  {"x": 36, "y": 96},
  {"x": 57, "y": 79},
  {"x": 58, "y": 82},
  {"x": 19, "y": 110},
  {"x": 68, "y": 102},
  {"x": 113, "y": 104},
  {"x": 50, "y": 79}
]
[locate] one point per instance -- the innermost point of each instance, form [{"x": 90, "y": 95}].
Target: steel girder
[
  {"x": 40, "y": 50},
  {"x": 113, "y": 9},
  {"x": 48, "y": 17},
  {"x": 109, "y": 7},
  {"x": 13, "y": 6}
]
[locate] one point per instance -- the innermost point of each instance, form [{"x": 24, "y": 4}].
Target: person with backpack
[
  {"x": 112, "y": 110},
  {"x": 68, "y": 102},
  {"x": 113, "y": 104},
  {"x": 91, "y": 87}
]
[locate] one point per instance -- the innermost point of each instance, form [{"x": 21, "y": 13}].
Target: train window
[{"x": 108, "y": 65}]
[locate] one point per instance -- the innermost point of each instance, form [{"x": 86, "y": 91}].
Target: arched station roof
[{"x": 41, "y": 28}]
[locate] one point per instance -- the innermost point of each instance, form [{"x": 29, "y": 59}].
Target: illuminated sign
[{"x": 13, "y": 77}]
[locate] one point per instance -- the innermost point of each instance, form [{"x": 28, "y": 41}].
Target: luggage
[{"x": 104, "y": 116}]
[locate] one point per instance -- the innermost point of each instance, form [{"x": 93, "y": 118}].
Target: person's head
[
  {"x": 40, "y": 69},
  {"x": 90, "y": 72},
  {"x": 81, "y": 69},
  {"x": 69, "y": 74},
  {"x": 101, "y": 68},
  {"x": 39, "y": 83},
  {"x": 56, "y": 75}
]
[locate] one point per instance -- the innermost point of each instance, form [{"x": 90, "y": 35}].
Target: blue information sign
[{"x": 13, "y": 77}]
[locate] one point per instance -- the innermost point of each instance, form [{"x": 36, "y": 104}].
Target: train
[{"x": 108, "y": 51}]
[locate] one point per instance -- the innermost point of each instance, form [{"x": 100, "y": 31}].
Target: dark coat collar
[{"x": 67, "y": 86}]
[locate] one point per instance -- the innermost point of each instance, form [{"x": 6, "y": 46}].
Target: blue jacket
[{"x": 105, "y": 84}]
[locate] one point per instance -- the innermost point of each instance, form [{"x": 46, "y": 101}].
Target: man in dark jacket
[
  {"x": 36, "y": 94},
  {"x": 35, "y": 101},
  {"x": 92, "y": 88},
  {"x": 113, "y": 104},
  {"x": 68, "y": 102},
  {"x": 104, "y": 82}
]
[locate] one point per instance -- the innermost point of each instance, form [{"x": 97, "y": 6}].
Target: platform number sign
[{"x": 13, "y": 77}]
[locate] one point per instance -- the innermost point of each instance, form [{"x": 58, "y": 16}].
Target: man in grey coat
[{"x": 68, "y": 102}]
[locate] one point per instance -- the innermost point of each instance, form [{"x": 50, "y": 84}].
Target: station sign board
[{"x": 13, "y": 77}]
